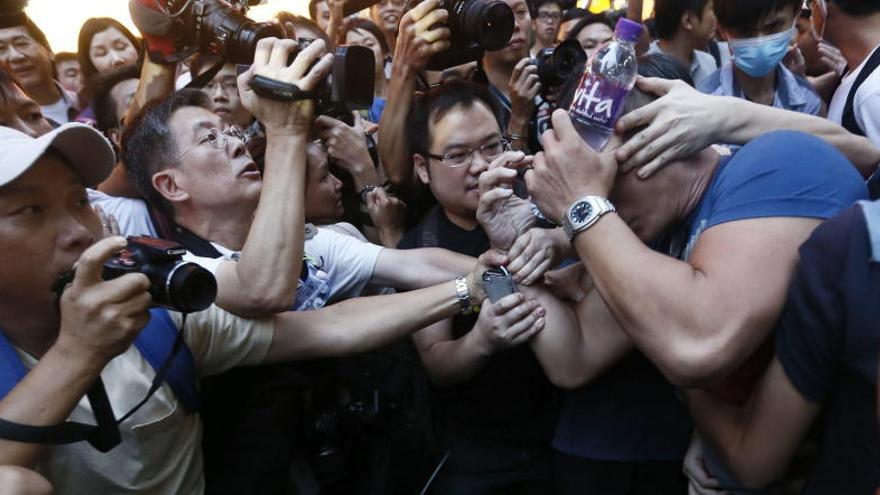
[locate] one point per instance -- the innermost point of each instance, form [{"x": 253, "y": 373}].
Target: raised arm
[
  {"x": 422, "y": 34},
  {"x": 265, "y": 278},
  {"x": 684, "y": 121}
]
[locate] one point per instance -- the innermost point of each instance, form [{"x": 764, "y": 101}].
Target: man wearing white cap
[{"x": 64, "y": 344}]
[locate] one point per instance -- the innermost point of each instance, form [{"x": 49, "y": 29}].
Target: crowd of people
[{"x": 693, "y": 307}]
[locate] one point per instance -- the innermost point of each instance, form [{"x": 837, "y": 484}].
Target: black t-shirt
[
  {"x": 828, "y": 343},
  {"x": 510, "y": 398}
]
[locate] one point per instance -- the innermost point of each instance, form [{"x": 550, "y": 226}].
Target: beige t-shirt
[{"x": 160, "y": 451}]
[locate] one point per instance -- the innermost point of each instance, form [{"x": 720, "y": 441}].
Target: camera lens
[
  {"x": 555, "y": 65},
  {"x": 488, "y": 23},
  {"x": 243, "y": 43},
  {"x": 190, "y": 288}
]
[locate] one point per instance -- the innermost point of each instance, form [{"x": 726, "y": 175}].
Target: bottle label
[{"x": 597, "y": 102}]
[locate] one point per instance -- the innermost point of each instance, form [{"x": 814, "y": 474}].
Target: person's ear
[
  {"x": 689, "y": 20},
  {"x": 115, "y": 136},
  {"x": 421, "y": 166},
  {"x": 167, "y": 184}
]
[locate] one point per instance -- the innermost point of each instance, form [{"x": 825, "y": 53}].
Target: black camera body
[
  {"x": 348, "y": 88},
  {"x": 215, "y": 26},
  {"x": 475, "y": 26},
  {"x": 556, "y": 65},
  {"x": 174, "y": 284}
]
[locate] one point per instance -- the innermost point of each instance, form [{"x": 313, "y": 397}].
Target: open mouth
[{"x": 250, "y": 171}]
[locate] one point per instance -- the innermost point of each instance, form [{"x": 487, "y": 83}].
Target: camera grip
[{"x": 277, "y": 90}]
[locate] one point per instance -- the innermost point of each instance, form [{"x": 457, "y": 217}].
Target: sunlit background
[{"x": 61, "y": 19}]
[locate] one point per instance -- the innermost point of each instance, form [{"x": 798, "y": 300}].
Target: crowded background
[{"x": 440, "y": 247}]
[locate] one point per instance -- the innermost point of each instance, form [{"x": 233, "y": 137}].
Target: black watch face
[{"x": 580, "y": 212}]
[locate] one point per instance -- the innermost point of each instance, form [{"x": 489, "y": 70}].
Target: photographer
[
  {"x": 513, "y": 81},
  {"x": 422, "y": 35},
  {"x": 172, "y": 150},
  {"x": 49, "y": 228}
]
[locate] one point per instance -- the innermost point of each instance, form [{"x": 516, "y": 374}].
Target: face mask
[{"x": 758, "y": 56}]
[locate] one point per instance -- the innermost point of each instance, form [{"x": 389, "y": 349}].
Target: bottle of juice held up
[{"x": 608, "y": 78}]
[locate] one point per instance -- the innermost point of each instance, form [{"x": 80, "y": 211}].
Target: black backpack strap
[{"x": 849, "y": 121}]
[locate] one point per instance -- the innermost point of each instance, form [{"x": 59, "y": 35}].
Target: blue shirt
[
  {"x": 631, "y": 413},
  {"x": 792, "y": 92},
  {"x": 828, "y": 343}
]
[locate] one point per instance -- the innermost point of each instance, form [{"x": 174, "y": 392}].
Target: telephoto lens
[
  {"x": 488, "y": 23},
  {"x": 236, "y": 35}
]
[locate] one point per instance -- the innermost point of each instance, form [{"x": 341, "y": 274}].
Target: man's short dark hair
[
  {"x": 434, "y": 104},
  {"x": 16, "y": 19},
  {"x": 535, "y": 6},
  {"x": 744, "y": 15},
  {"x": 148, "y": 145},
  {"x": 858, "y": 8},
  {"x": 100, "y": 87},
  {"x": 66, "y": 57},
  {"x": 667, "y": 14}
]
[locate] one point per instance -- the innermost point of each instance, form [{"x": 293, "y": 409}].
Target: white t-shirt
[
  {"x": 349, "y": 262},
  {"x": 161, "y": 450},
  {"x": 866, "y": 105},
  {"x": 58, "y": 111},
  {"x": 132, "y": 215}
]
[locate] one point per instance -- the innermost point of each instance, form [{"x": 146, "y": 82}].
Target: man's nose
[
  {"x": 74, "y": 235},
  {"x": 16, "y": 54}
]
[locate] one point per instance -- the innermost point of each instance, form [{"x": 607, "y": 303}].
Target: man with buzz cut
[{"x": 684, "y": 29}]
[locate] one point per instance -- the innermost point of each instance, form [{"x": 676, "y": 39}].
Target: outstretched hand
[{"x": 682, "y": 122}]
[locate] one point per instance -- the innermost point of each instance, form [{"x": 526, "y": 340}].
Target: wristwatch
[
  {"x": 464, "y": 296},
  {"x": 584, "y": 213}
]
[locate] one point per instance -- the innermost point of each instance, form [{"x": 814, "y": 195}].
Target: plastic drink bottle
[{"x": 608, "y": 77}]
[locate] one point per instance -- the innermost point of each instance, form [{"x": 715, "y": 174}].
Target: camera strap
[
  {"x": 204, "y": 78},
  {"x": 277, "y": 90},
  {"x": 104, "y": 435}
]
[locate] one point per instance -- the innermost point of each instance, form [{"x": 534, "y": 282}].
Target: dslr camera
[
  {"x": 556, "y": 65},
  {"x": 209, "y": 26},
  {"x": 174, "y": 284},
  {"x": 349, "y": 86},
  {"x": 475, "y": 26}
]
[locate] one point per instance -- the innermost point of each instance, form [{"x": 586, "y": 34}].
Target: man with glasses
[
  {"x": 545, "y": 24},
  {"x": 455, "y": 135}
]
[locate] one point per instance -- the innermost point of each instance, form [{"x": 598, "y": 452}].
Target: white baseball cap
[{"x": 87, "y": 151}]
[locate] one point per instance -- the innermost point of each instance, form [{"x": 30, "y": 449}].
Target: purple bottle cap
[{"x": 628, "y": 30}]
